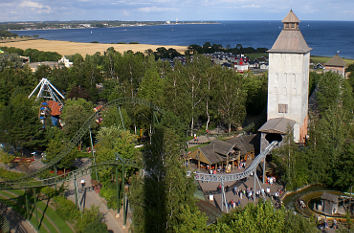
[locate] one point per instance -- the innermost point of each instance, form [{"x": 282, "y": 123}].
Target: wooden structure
[
  {"x": 329, "y": 203},
  {"x": 225, "y": 154},
  {"x": 336, "y": 64}
]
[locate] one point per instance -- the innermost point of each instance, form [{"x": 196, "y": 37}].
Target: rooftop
[
  {"x": 277, "y": 125},
  {"x": 291, "y": 18},
  {"x": 335, "y": 61}
]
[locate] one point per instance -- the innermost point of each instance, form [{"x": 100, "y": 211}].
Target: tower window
[{"x": 282, "y": 108}]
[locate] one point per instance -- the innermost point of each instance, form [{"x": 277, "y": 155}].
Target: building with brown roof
[
  {"x": 226, "y": 154},
  {"x": 336, "y": 64}
]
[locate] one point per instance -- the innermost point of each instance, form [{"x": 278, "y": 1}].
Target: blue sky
[{"x": 23, "y": 10}]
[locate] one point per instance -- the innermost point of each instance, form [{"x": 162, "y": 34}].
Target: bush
[
  {"x": 66, "y": 209},
  {"x": 7, "y": 175},
  {"x": 91, "y": 221},
  {"x": 109, "y": 193},
  {"x": 6, "y": 158}
]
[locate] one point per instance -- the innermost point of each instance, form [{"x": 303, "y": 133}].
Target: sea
[{"x": 326, "y": 38}]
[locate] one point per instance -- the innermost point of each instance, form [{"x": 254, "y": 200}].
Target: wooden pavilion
[{"x": 225, "y": 154}]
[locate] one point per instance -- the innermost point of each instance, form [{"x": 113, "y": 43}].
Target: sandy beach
[{"x": 70, "y": 48}]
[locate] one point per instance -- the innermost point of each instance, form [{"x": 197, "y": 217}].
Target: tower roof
[
  {"x": 335, "y": 61},
  {"x": 291, "y": 18},
  {"x": 290, "y": 39}
]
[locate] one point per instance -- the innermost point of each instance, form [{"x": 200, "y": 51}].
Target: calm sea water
[{"x": 324, "y": 37}]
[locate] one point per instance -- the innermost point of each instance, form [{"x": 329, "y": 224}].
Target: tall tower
[{"x": 288, "y": 83}]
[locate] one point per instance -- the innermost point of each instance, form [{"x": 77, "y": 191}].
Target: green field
[{"x": 319, "y": 59}]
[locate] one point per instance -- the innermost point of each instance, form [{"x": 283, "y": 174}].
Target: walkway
[
  {"x": 93, "y": 199},
  {"x": 211, "y": 188}
]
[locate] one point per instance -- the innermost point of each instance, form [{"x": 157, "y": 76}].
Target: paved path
[{"x": 93, "y": 199}]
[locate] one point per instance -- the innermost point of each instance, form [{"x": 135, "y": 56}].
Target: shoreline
[{"x": 133, "y": 25}]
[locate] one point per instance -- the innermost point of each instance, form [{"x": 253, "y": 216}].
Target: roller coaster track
[
  {"x": 199, "y": 176},
  {"x": 222, "y": 178},
  {"x": 82, "y": 131},
  {"x": 83, "y": 171}
]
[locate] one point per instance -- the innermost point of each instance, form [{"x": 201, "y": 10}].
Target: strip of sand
[{"x": 70, "y": 48}]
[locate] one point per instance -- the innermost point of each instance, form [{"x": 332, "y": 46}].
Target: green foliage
[
  {"x": 91, "y": 221},
  {"x": 6, "y": 158},
  {"x": 7, "y": 175},
  {"x": 66, "y": 209},
  {"x": 19, "y": 123},
  {"x": 113, "y": 140},
  {"x": 262, "y": 218},
  {"x": 327, "y": 157},
  {"x": 4, "y": 33},
  {"x": 162, "y": 197},
  {"x": 190, "y": 221},
  {"x": 37, "y": 56}
]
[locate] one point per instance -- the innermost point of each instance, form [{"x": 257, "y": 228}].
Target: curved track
[
  {"x": 80, "y": 133},
  {"x": 236, "y": 176},
  {"x": 37, "y": 183}
]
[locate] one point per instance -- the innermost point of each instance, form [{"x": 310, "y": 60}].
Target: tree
[
  {"x": 232, "y": 99},
  {"x": 161, "y": 197},
  {"x": 19, "y": 124},
  {"x": 262, "y": 218},
  {"x": 75, "y": 113}
]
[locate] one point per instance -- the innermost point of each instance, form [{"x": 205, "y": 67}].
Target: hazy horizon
[{"x": 183, "y": 10}]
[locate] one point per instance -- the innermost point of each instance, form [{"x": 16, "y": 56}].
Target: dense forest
[{"x": 195, "y": 96}]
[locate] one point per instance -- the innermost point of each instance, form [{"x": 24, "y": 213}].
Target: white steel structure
[{"x": 47, "y": 91}]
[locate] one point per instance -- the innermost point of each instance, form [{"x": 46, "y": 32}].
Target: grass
[
  {"x": 41, "y": 208},
  {"x": 320, "y": 59}
]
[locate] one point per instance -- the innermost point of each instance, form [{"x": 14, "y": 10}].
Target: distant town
[{"x": 50, "y": 25}]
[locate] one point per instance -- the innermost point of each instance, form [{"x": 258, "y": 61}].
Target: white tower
[{"x": 288, "y": 83}]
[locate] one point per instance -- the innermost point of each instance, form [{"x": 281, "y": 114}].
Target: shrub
[
  {"x": 91, "y": 221},
  {"x": 66, "y": 209}
]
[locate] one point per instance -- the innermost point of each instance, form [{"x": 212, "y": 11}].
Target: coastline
[
  {"x": 132, "y": 25},
  {"x": 70, "y": 48}
]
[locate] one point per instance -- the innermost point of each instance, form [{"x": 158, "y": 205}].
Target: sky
[{"x": 201, "y": 10}]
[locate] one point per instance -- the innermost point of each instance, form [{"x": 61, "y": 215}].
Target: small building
[
  {"x": 65, "y": 62},
  {"x": 329, "y": 203},
  {"x": 336, "y": 64},
  {"x": 34, "y": 65},
  {"x": 241, "y": 66},
  {"x": 225, "y": 154},
  {"x": 275, "y": 130}
]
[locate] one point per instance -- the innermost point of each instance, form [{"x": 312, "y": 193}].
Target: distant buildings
[{"x": 52, "y": 64}]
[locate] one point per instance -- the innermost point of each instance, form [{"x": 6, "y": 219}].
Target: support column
[
  {"x": 264, "y": 161},
  {"x": 223, "y": 198},
  {"x": 118, "y": 192},
  {"x": 75, "y": 185},
  {"x": 94, "y": 156},
  {"x": 27, "y": 210},
  {"x": 35, "y": 208},
  {"x": 125, "y": 209},
  {"x": 123, "y": 184},
  {"x": 254, "y": 184}
]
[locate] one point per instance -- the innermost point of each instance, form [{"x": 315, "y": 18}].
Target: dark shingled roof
[
  {"x": 217, "y": 150},
  {"x": 221, "y": 147},
  {"x": 277, "y": 125},
  {"x": 290, "y": 41},
  {"x": 245, "y": 143},
  {"x": 291, "y": 18},
  {"x": 335, "y": 61}
]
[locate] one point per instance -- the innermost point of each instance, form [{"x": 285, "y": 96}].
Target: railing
[
  {"x": 200, "y": 176},
  {"x": 60, "y": 178}
]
